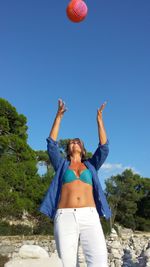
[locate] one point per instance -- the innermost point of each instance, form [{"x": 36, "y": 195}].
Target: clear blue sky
[{"x": 44, "y": 56}]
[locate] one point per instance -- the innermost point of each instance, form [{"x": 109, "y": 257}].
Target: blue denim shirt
[{"x": 51, "y": 199}]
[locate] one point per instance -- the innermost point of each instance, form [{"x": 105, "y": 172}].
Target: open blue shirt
[{"x": 51, "y": 199}]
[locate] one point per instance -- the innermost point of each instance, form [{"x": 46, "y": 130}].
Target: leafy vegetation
[{"x": 129, "y": 198}]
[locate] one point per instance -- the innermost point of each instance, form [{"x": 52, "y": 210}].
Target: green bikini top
[{"x": 85, "y": 176}]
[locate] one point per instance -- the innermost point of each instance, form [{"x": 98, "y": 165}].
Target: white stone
[
  {"x": 136, "y": 245},
  {"x": 116, "y": 244},
  {"x": 147, "y": 253},
  {"x": 83, "y": 264},
  {"x": 32, "y": 251},
  {"x": 28, "y": 242},
  {"x": 126, "y": 233},
  {"x": 53, "y": 261},
  {"x": 116, "y": 254},
  {"x": 113, "y": 231},
  {"x": 81, "y": 257},
  {"x": 117, "y": 263}
]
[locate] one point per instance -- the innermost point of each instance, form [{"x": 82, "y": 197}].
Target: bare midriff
[{"x": 76, "y": 194}]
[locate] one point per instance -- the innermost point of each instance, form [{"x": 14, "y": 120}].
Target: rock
[
  {"x": 116, "y": 244},
  {"x": 113, "y": 231},
  {"x": 5, "y": 249},
  {"x": 147, "y": 253},
  {"x": 148, "y": 246},
  {"x": 28, "y": 242},
  {"x": 129, "y": 251},
  {"x": 113, "y": 234},
  {"x": 53, "y": 261},
  {"x": 32, "y": 251},
  {"x": 117, "y": 263},
  {"x": 81, "y": 258},
  {"x": 126, "y": 233},
  {"x": 112, "y": 264},
  {"x": 116, "y": 254}
]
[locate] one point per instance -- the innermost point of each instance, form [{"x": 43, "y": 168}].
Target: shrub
[
  {"x": 44, "y": 226},
  {"x": 6, "y": 229}
]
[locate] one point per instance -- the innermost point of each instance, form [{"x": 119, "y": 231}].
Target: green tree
[
  {"x": 143, "y": 211},
  {"x": 124, "y": 193},
  {"x": 11, "y": 122},
  {"x": 21, "y": 186}
]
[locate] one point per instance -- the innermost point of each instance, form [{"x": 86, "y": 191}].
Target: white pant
[{"x": 74, "y": 224}]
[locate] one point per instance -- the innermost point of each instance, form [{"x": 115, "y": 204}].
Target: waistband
[{"x": 81, "y": 209}]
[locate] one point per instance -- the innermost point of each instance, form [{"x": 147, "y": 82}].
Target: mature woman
[{"x": 75, "y": 199}]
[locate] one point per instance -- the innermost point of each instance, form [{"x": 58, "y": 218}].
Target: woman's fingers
[
  {"x": 102, "y": 106},
  {"x": 61, "y": 105},
  {"x": 60, "y": 102}
]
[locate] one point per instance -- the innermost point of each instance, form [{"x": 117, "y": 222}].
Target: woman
[{"x": 75, "y": 199}]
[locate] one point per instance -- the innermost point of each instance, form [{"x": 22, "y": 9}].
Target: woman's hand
[
  {"x": 99, "y": 112},
  {"x": 55, "y": 128},
  {"x": 61, "y": 108}
]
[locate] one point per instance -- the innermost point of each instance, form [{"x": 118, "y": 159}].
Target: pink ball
[{"x": 76, "y": 10}]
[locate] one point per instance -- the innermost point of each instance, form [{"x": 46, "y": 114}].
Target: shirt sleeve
[
  {"x": 54, "y": 153},
  {"x": 99, "y": 155}
]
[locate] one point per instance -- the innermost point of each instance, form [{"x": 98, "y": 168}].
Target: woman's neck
[{"x": 76, "y": 158}]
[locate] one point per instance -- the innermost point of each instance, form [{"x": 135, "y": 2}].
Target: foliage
[
  {"x": 128, "y": 195},
  {"x": 106, "y": 225},
  {"x": 7, "y": 230},
  {"x": 21, "y": 187},
  {"x": 11, "y": 122},
  {"x": 44, "y": 226}
]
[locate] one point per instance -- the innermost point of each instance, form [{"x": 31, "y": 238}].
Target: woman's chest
[{"x": 77, "y": 168}]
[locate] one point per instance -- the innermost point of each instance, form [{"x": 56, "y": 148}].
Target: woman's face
[{"x": 75, "y": 145}]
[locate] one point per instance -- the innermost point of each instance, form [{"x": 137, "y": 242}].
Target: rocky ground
[{"x": 125, "y": 249}]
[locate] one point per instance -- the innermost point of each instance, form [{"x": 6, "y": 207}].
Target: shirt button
[{"x": 74, "y": 209}]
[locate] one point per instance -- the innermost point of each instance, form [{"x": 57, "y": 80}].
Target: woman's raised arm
[
  {"x": 101, "y": 128},
  {"x": 55, "y": 128},
  {"x": 102, "y": 151},
  {"x": 52, "y": 144}
]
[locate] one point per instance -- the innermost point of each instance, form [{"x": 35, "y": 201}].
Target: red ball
[{"x": 76, "y": 10}]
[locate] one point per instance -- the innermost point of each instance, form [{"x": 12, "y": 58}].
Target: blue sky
[{"x": 44, "y": 56}]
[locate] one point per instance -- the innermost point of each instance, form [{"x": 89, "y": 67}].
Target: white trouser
[{"x": 74, "y": 224}]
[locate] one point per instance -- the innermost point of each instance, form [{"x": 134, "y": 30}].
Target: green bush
[
  {"x": 44, "y": 226},
  {"x": 142, "y": 224},
  {"x": 6, "y": 229},
  {"x": 106, "y": 226}
]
